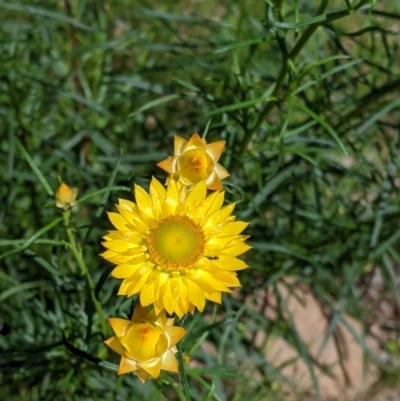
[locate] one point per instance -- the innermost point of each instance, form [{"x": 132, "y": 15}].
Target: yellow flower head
[
  {"x": 196, "y": 161},
  {"x": 146, "y": 343},
  {"x": 65, "y": 196},
  {"x": 175, "y": 247}
]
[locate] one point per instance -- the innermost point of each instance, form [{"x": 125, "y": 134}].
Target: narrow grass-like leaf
[
  {"x": 45, "y": 13},
  {"x": 329, "y": 73},
  {"x": 34, "y": 167},
  {"x": 101, "y": 281},
  {"x": 267, "y": 189},
  {"x": 154, "y": 103},
  {"x": 323, "y": 123},
  {"x": 42, "y": 262},
  {"x": 378, "y": 115},
  {"x": 19, "y": 242},
  {"x": 384, "y": 246},
  {"x": 391, "y": 270},
  {"x": 33, "y": 238},
  {"x": 21, "y": 287},
  {"x": 101, "y": 191},
  {"x": 238, "y": 45},
  {"x": 74, "y": 96},
  {"x": 241, "y": 105}
]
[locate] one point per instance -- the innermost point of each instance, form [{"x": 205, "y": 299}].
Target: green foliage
[{"x": 92, "y": 92}]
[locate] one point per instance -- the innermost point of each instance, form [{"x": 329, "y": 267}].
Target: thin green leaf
[
  {"x": 45, "y": 13},
  {"x": 154, "y": 103},
  {"x": 323, "y": 123},
  {"x": 238, "y": 45},
  {"x": 33, "y": 238},
  {"x": 35, "y": 168},
  {"x": 242, "y": 105},
  {"x": 22, "y": 287}
]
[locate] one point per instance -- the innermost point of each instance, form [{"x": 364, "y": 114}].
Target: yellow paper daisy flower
[
  {"x": 146, "y": 343},
  {"x": 175, "y": 247},
  {"x": 196, "y": 161}
]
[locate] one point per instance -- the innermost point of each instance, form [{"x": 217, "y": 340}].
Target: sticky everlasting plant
[{"x": 175, "y": 247}]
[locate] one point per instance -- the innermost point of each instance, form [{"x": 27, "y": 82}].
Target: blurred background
[{"x": 306, "y": 95}]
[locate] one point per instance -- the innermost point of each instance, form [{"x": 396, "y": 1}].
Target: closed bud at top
[{"x": 65, "y": 196}]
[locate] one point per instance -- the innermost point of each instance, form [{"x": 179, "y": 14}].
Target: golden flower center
[{"x": 176, "y": 243}]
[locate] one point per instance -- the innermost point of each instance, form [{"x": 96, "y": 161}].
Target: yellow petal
[
  {"x": 214, "y": 297},
  {"x": 168, "y": 300},
  {"x": 128, "y": 210},
  {"x": 153, "y": 370},
  {"x": 161, "y": 318},
  {"x": 167, "y": 165},
  {"x": 157, "y": 189},
  {"x": 158, "y": 306},
  {"x": 179, "y": 144},
  {"x": 108, "y": 254},
  {"x": 215, "y": 149},
  {"x": 130, "y": 236},
  {"x": 226, "y": 277},
  {"x": 175, "y": 333},
  {"x": 195, "y": 142},
  {"x": 117, "y": 221},
  {"x": 237, "y": 249},
  {"x": 196, "y": 295},
  {"x": 126, "y": 366},
  {"x": 221, "y": 171},
  {"x": 169, "y": 362},
  {"x": 124, "y": 287},
  {"x": 139, "y": 313},
  {"x": 226, "y": 262},
  {"x": 143, "y": 375},
  {"x": 214, "y": 183},
  {"x": 115, "y": 345},
  {"x": 212, "y": 203},
  {"x": 206, "y": 281},
  {"x": 197, "y": 194},
  {"x": 118, "y": 325},
  {"x": 160, "y": 280},
  {"x": 147, "y": 295},
  {"x": 173, "y": 195},
  {"x": 118, "y": 245},
  {"x": 219, "y": 216},
  {"x": 143, "y": 200},
  {"x": 126, "y": 259},
  {"x": 136, "y": 285},
  {"x": 125, "y": 271},
  {"x": 152, "y": 317},
  {"x": 232, "y": 228},
  {"x": 127, "y": 205},
  {"x": 180, "y": 293}
]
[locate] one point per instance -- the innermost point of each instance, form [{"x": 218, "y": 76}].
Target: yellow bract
[
  {"x": 176, "y": 247},
  {"x": 195, "y": 161},
  {"x": 146, "y": 343},
  {"x": 65, "y": 196}
]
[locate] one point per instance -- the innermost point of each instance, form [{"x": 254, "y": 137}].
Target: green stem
[
  {"x": 77, "y": 251},
  {"x": 183, "y": 373}
]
